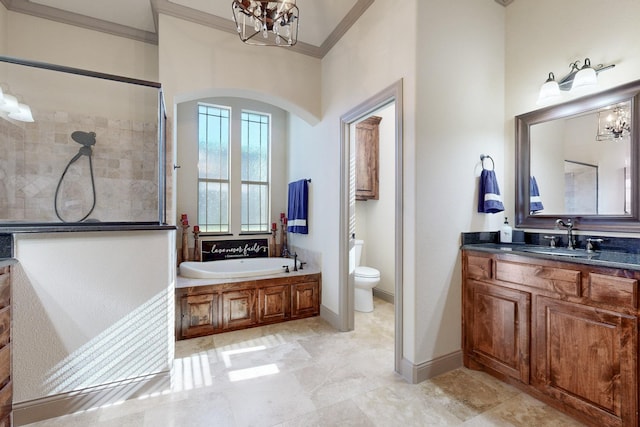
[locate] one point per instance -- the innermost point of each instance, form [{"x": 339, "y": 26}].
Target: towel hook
[{"x": 484, "y": 156}]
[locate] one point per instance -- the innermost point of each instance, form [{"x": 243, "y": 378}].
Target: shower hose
[{"x": 87, "y": 140}]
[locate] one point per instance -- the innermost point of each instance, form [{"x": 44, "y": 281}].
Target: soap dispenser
[{"x": 506, "y": 232}]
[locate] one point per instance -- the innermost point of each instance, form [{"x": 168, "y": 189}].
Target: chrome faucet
[{"x": 569, "y": 226}]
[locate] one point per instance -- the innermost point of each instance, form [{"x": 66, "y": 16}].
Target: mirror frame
[{"x": 629, "y": 223}]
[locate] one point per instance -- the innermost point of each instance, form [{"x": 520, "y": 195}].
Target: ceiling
[{"x": 322, "y": 22}]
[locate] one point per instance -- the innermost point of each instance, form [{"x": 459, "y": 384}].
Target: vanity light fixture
[
  {"x": 23, "y": 115},
  {"x": 266, "y": 23},
  {"x": 10, "y": 104},
  {"x": 13, "y": 109},
  {"x": 578, "y": 79}
]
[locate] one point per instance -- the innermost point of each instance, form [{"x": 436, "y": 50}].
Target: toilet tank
[{"x": 358, "y": 250}]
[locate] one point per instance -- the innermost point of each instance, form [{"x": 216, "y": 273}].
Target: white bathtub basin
[{"x": 235, "y": 268}]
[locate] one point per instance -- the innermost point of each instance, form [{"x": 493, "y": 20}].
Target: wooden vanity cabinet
[
  {"x": 6, "y": 376},
  {"x": 212, "y": 309},
  {"x": 567, "y": 333},
  {"x": 498, "y": 328}
]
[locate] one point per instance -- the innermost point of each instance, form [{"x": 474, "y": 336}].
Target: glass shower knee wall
[{"x": 94, "y": 153}]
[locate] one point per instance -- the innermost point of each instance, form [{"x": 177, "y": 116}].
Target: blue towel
[
  {"x": 489, "y": 199},
  {"x": 535, "y": 203},
  {"x": 298, "y": 207}
]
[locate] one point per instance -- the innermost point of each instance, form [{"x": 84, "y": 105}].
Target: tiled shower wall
[{"x": 34, "y": 155}]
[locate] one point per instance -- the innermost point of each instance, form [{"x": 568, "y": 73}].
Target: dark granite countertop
[
  {"x": 611, "y": 252},
  {"x": 600, "y": 258}
]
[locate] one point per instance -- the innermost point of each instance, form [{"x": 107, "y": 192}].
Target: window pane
[
  {"x": 255, "y": 214},
  {"x": 213, "y": 168},
  {"x": 255, "y": 171},
  {"x": 213, "y": 206}
]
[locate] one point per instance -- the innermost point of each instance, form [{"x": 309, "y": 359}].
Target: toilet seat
[{"x": 367, "y": 272}]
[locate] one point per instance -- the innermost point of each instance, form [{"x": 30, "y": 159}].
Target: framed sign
[{"x": 215, "y": 250}]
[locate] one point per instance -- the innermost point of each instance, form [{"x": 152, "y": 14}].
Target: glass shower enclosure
[{"x": 79, "y": 147}]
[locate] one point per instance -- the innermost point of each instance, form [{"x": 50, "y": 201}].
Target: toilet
[{"x": 365, "y": 279}]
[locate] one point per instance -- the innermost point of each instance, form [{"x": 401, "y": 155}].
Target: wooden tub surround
[
  {"x": 221, "y": 307},
  {"x": 565, "y": 332}
]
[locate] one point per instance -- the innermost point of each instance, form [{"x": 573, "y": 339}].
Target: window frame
[
  {"x": 267, "y": 209},
  {"x": 229, "y": 223}
]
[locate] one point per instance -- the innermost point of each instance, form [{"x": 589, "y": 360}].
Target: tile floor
[{"x": 304, "y": 373}]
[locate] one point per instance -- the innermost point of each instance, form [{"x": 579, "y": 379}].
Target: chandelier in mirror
[
  {"x": 614, "y": 122},
  {"x": 266, "y": 23}
]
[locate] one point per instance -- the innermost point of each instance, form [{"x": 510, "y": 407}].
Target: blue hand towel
[
  {"x": 489, "y": 199},
  {"x": 535, "y": 203},
  {"x": 298, "y": 207}
]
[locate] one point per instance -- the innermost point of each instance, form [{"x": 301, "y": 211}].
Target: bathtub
[{"x": 235, "y": 268}]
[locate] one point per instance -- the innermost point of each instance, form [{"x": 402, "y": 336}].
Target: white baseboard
[
  {"x": 82, "y": 400},
  {"x": 417, "y": 373}
]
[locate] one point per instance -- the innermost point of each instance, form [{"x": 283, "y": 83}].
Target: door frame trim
[{"x": 392, "y": 94}]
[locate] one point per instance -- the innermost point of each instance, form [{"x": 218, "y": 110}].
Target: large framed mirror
[{"x": 580, "y": 160}]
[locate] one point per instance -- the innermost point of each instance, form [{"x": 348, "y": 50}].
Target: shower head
[{"x": 84, "y": 138}]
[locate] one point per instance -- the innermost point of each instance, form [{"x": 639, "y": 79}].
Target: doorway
[{"x": 391, "y": 95}]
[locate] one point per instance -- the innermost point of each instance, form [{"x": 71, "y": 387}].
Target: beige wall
[
  {"x": 72, "y": 46},
  {"x": 3, "y": 29},
  {"x": 364, "y": 62},
  {"x": 197, "y": 61},
  {"x": 459, "y": 115},
  {"x": 90, "y": 310}
]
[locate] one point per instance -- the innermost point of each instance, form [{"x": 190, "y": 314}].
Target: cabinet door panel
[
  {"x": 586, "y": 358},
  {"x": 200, "y": 315},
  {"x": 238, "y": 309},
  {"x": 497, "y": 328},
  {"x": 305, "y": 299},
  {"x": 367, "y": 163},
  {"x": 273, "y": 303}
]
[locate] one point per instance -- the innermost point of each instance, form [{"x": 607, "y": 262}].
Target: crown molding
[
  {"x": 505, "y": 3},
  {"x": 341, "y": 29},
  {"x": 41, "y": 11},
  {"x": 169, "y": 8}
]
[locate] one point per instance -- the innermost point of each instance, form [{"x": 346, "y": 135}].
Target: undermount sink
[{"x": 559, "y": 252}]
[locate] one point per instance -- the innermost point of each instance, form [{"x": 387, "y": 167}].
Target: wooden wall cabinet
[
  {"x": 6, "y": 375},
  {"x": 367, "y": 158},
  {"x": 566, "y": 333},
  {"x": 212, "y": 309}
]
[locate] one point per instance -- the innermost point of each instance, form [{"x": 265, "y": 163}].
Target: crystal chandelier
[
  {"x": 266, "y": 23},
  {"x": 614, "y": 124}
]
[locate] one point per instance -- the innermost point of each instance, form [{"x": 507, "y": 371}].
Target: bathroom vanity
[
  {"x": 562, "y": 328},
  {"x": 206, "y": 309},
  {"x": 6, "y": 384}
]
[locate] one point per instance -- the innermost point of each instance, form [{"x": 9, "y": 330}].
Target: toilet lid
[{"x": 366, "y": 272}]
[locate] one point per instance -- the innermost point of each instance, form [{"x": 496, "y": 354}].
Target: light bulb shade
[
  {"x": 24, "y": 115},
  {"x": 10, "y": 104},
  {"x": 549, "y": 91},
  {"x": 585, "y": 78}
]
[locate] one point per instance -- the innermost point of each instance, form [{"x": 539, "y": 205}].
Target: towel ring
[{"x": 483, "y": 156}]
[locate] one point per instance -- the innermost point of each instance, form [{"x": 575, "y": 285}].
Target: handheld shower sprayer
[{"x": 87, "y": 140}]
